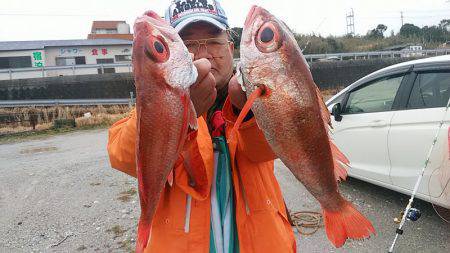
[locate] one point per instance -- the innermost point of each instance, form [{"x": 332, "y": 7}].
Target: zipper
[{"x": 187, "y": 219}]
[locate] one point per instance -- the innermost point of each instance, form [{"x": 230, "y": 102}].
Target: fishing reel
[{"x": 413, "y": 215}]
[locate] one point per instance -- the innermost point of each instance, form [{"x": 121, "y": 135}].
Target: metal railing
[
  {"x": 309, "y": 57},
  {"x": 73, "y": 68},
  {"x": 378, "y": 54},
  {"x": 65, "y": 102}
]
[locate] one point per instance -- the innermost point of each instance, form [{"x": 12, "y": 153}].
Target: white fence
[
  {"x": 66, "y": 102},
  {"x": 377, "y": 54}
]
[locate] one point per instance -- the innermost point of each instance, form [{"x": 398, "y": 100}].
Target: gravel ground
[{"x": 59, "y": 194}]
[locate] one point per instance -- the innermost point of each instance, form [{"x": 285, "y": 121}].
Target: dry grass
[
  {"x": 9, "y": 129},
  {"x": 126, "y": 196},
  {"x": 17, "y": 120},
  {"x": 117, "y": 231},
  {"x": 328, "y": 93},
  {"x": 102, "y": 119},
  {"x": 101, "y": 116}
]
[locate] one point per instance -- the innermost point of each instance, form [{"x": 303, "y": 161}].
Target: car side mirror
[{"x": 336, "y": 112}]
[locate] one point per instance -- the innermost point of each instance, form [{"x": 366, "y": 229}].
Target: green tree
[
  {"x": 445, "y": 24},
  {"x": 435, "y": 34},
  {"x": 236, "y": 34},
  {"x": 334, "y": 46},
  {"x": 378, "y": 32},
  {"x": 410, "y": 30}
]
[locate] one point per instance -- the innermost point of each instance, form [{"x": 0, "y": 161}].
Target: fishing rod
[{"x": 412, "y": 213}]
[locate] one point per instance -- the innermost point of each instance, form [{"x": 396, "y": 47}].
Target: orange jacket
[{"x": 260, "y": 211}]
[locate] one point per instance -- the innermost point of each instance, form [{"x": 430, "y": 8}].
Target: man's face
[{"x": 219, "y": 51}]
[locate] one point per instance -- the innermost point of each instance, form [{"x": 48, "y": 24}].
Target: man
[{"x": 225, "y": 198}]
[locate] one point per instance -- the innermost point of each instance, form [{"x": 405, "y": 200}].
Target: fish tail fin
[
  {"x": 346, "y": 223},
  {"x": 340, "y": 161},
  {"x": 143, "y": 235},
  {"x": 247, "y": 107}
]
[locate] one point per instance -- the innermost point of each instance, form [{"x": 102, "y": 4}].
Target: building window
[
  {"x": 69, "y": 61},
  {"x": 106, "y": 31},
  {"x": 120, "y": 58},
  {"x": 106, "y": 70},
  {"x": 15, "y": 62},
  {"x": 430, "y": 90}
]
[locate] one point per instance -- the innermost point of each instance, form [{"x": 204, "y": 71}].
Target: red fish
[
  {"x": 163, "y": 72},
  {"x": 290, "y": 111}
]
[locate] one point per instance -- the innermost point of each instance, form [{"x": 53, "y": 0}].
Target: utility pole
[
  {"x": 350, "y": 23},
  {"x": 401, "y": 16}
]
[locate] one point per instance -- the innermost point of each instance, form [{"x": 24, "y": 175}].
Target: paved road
[{"x": 59, "y": 194}]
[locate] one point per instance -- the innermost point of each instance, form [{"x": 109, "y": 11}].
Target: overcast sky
[{"x": 64, "y": 19}]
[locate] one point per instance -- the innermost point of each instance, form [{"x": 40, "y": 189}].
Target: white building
[{"x": 31, "y": 59}]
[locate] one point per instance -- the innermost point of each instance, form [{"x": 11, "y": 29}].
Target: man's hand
[
  {"x": 237, "y": 95},
  {"x": 203, "y": 91}
]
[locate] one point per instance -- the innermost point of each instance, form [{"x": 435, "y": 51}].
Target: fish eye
[
  {"x": 159, "y": 47},
  {"x": 156, "y": 49},
  {"x": 268, "y": 37}
]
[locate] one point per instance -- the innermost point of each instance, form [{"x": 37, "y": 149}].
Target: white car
[{"x": 386, "y": 122}]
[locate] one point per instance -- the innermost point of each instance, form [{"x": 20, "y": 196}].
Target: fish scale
[
  {"x": 289, "y": 109},
  {"x": 163, "y": 71}
]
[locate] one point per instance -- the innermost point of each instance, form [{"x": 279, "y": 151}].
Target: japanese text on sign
[
  {"x": 103, "y": 51},
  {"x": 37, "y": 59}
]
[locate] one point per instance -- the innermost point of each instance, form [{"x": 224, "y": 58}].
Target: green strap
[{"x": 225, "y": 198}]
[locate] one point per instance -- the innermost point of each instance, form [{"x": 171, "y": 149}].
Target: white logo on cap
[{"x": 182, "y": 8}]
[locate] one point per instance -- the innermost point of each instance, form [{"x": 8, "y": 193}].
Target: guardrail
[
  {"x": 378, "y": 54},
  {"x": 65, "y": 102},
  {"x": 127, "y": 67},
  {"x": 73, "y": 68}
]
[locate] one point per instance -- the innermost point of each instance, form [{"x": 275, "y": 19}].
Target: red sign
[{"x": 103, "y": 50}]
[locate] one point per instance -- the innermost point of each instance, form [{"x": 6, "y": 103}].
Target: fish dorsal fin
[
  {"x": 326, "y": 116},
  {"x": 340, "y": 160}
]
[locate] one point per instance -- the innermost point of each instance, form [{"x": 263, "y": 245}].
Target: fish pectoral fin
[
  {"x": 170, "y": 178},
  {"x": 143, "y": 235},
  {"x": 340, "y": 172},
  {"x": 346, "y": 223},
  {"x": 247, "y": 107}
]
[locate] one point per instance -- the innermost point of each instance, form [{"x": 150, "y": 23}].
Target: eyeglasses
[{"x": 214, "y": 46}]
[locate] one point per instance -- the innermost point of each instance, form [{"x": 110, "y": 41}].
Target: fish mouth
[
  {"x": 254, "y": 12},
  {"x": 153, "y": 18},
  {"x": 151, "y": 21},
  {"x": 153, "y": 15}
]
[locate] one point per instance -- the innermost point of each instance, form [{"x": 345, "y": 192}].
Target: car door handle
[{"x": 378, "y": 123}]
